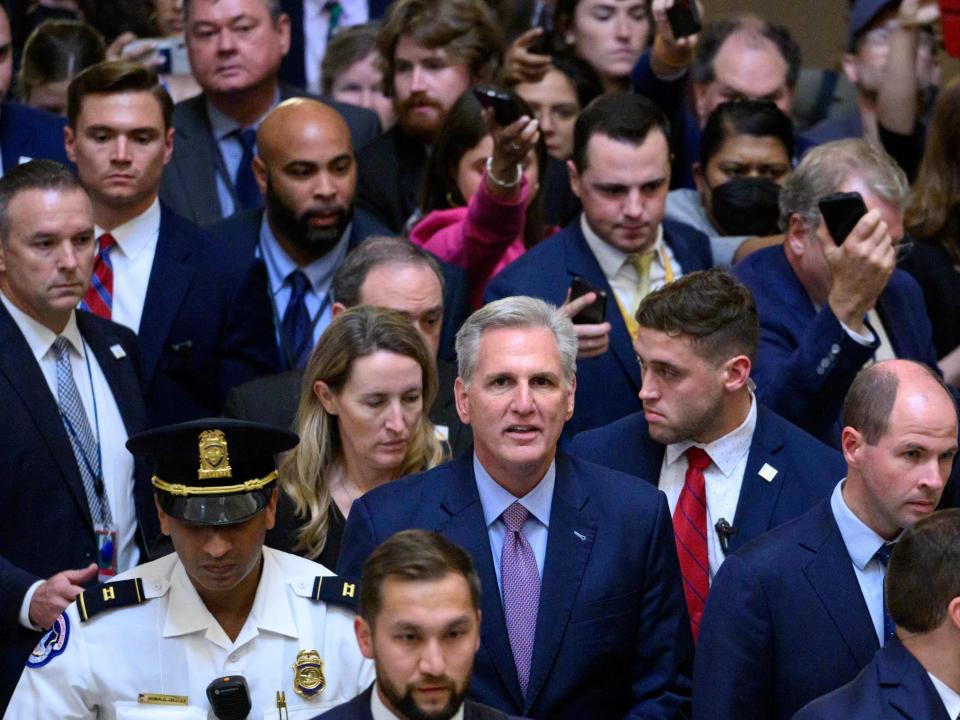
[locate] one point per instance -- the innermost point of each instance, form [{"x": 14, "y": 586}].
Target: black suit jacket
[
  {"x": 389, "y": 175},
  {"x": 27, "y": 133},
  {"x": 359, "y": 709},
  {"x": 206, "y": 325},
  {"x": 189, "y": 183},
  {"x": 46, "y": 526}
]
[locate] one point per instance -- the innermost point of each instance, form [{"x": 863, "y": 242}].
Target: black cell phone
[
  {"x": 841, "y": 212},
  {"x": 684, "y": 18},
  {"x": 543, "y": 19},
  {"x": 505, "y": 108},
  {"x": 594, "y": 313}
]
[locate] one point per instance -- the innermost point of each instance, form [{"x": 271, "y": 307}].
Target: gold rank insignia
[
  {"x": 308, "y": 679},
  {"x": 214, "y": 457}
]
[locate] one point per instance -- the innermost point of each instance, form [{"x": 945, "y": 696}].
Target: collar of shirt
[
  {"x": 727, "y": 451},
  {"x": 222, "y": 125},
  {"x": 949, "y": 696},
  {"x": 862, "y": 543},
  {"x": 611, "y": 259},
  {"x": 186, "y": 612},
  {"x": 494, "y": 498},
  {"x": 136, "y": 234},
  {"x": 39, "y": 337},
  {"x": 379, "y": 711},
  {"x": 279, "y": 265}
]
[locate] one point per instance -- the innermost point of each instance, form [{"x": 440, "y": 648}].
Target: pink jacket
[{"x": 483, "y": 238}]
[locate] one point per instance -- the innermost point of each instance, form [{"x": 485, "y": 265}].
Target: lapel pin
[
  {"x": 118, "y": 352},
  {"x": 768, "y": 472},
  {"x": 580, "y": 536}
]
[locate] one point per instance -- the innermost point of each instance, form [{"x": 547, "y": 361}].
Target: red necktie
[
  {"x": 99, "y": 296},
  {"x": 690, "y": 532}
]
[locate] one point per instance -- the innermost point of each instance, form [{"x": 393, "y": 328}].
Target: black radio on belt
[{"x": 229, "y": 698}]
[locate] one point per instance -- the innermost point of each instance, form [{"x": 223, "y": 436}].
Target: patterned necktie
[
  {"x": 889, "y": 626},
  {"x": 521, "y": 590},
  {"x": 335, "y": 10},
  {"x": 248, "y": 194},
  {"x": 690, "y": 532},
  {"x": 99, "y": 296},
  {"x": 296, "y": 326}
]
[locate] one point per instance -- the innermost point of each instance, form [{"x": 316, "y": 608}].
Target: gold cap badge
[
  {"x": 308, "y": 679},
  {"x": 214, "y": 456}
]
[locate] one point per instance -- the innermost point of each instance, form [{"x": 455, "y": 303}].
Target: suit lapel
[
  {"x": 465, "y": 526},
  {"x": 905, "y": 685},
  {"x": 758, "y": 496},
  {"x": 120, "y": 375},
  {"x": 12, "y": 140},
  {"x": 572, "y": 530},
  {"x": 831, "y": 575},
  {"x": 198, "y": 161},
  {"x": 169, "y": 279}
]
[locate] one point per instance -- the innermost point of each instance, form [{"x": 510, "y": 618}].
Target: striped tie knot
[{"x": 697, "y": 458}]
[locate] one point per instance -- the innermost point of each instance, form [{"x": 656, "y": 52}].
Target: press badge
[{"x": 106, "y": 553}]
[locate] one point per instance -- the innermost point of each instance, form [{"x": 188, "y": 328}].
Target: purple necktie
[{"x": 521, "y": 590}]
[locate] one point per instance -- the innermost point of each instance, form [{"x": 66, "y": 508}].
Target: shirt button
[
  {"x": 234, "y": 657},
  {"x": 834, "y": 349}
]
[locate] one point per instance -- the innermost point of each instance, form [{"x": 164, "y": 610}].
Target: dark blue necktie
[
  {"x": 296, "y": 326},
  {"x": 248, "y": 194},
  {"x": 889, "y": 627}
]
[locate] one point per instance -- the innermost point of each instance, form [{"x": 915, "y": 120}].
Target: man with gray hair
[
  {"x": 582, "y": 603},
  {"x": 828, "y": 305}
]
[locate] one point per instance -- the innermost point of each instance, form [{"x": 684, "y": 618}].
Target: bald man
[
  {"x": 307, "y": 173},
  {"x": 199, "y": 308}
]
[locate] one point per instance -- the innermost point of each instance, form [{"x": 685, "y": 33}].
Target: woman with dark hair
[
  {"x": 932, "y": 218},
  {"x": 362, "y": 422},
  {"x": 480, "y": 201},
  {"x": 56, "y": 51},
  {"x": 351, "y": 71},
  {"x": 745, "y": 156}
]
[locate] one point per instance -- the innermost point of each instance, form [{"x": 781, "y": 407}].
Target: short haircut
[
  {"x": 516, "y": 312},
  {"x": 757, "y": 118},
  {"x": 33, "y": 175},
  {"x": 716, "y": 34},
  {"x": 715, "y": 311},
  {"x": 274, "y": 7},
  {"x": 413, "y": 556},
  {"x": 626, "y": 117},
  {"x": 117, "y": 76},
  {"x": 350, "y": 45},
  {"x": 923, "y": 576},
  {"x": 56, "y": 51},
  {"x": 825, "y": 167},
  {"x": 466, "y": 29},
  {"x": 373, "y": 252}
]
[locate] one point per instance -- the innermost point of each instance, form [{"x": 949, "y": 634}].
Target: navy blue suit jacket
[
  {"x": 612, "y": 638},
  {"x": 807, "y": 470},
  {"x": 894, "y": 686},
  {"x": 607, "y": 386},
  {"x": 359, "y": 709},
  {"x": 27, "y": 133},
  {"x": 46, "y": 526},
  {"x": 206, "y": 326},
  {"x": 805, "y": 360},
  {"x": 785, "y": 623}
]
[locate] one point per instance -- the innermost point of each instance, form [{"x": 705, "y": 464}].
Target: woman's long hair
[{"x": 305, "y": 470}]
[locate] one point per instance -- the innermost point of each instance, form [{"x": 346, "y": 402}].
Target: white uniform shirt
[{"x": 170, "y": 644}]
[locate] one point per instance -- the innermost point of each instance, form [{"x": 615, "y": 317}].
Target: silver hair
[
  {"x": 824, "y": 169},
  {"x": 516, "y": 312},
  {"x": 273, "y": 7}
]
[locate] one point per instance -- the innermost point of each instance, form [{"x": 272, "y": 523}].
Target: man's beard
[
  {"x": 408, "y": 708},
  {"x": 297, "y": 230},
  {"x": 416, "y": 125}
]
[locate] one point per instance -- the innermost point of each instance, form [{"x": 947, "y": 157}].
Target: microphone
[
  {"x": 229, "y": 698},
  {"x": 725, "y": 531}
]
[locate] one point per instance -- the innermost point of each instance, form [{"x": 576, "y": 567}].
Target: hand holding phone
[
  {"x": 841, "y": 212},
  {"x": 592, "y": 314},
  {"x": 684, "y": 18},
  {"x": 505, "y": 108}
]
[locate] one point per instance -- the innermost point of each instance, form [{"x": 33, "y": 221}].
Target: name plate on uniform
[{"x": 160, "y": 699}]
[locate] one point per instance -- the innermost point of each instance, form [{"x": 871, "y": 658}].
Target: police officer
[{"x": 150, "y": 643}]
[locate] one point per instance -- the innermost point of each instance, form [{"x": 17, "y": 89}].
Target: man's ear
[
  {"x": 851, "y": 441},
  {"x": 336, "y": 309},
  {"x": 462, "y": 400},
  {"x": 260, "y": 173},
  {"x": 574, "y": 178},
  {"x": 796, "y": 235},
  {"x": 850, "y": 69},
  {"x": 69, "y": 144},
  {"x": 164, "y": 518},
  {"x": 361, "y": 628},
  {"x": 737, "y": 373}
]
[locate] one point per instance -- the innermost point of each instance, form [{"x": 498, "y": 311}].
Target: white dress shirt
[
  {"x": 132, "y": 260},
  {"x": 723, "y": 476},
  {"x": 105, "y": 421},
  {"x": 382, "y": 712},
  {"x": 316, "y": 27},
  {"x": 950, "y": 697}
]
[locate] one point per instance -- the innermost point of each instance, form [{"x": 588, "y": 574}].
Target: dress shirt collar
[
  {"x": 135, "y": 234},
  {"x": 222, "y": 124},
  {"x": 610, "y": 258},
  {"x": 379, "y": 711},
  {"x": 862, "y": 543},
  {"x": 727, "y": 451},
  {"x": 950, "y": 697},
  {"x": 39, "y": 337},
  {"x": 279, "y": 265},
  {"x": 494, "y": 498}
]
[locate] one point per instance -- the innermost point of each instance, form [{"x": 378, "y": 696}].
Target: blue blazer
[
  {"x": 607, "y": 386},
  {"x": 807, "y": 470},
  {"x": 785, "y": 623},
  {"x": 29, "y": 134},
  {"x": 359, "y": 709},
  {"x": 612, "y": 638},
  {"x": 46, "y": 526},
  {"x": 206, "y": 326},
  {"x": 893, "y": 686},
  {"x": 806, "y": 361}
]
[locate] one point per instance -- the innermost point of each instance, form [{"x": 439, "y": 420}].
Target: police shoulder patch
[
  {"x": 109, "y": 595},
  {"x": 51, "y": 644},
  {"x": 333, "y": 589}
]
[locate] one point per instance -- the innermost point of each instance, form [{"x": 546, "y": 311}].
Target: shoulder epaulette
[
  {"x": 333, "y": 589},
  {"x": 109, "y": 595}
]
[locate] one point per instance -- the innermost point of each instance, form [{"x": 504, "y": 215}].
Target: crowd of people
[{"x": 484, "y": 359}]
